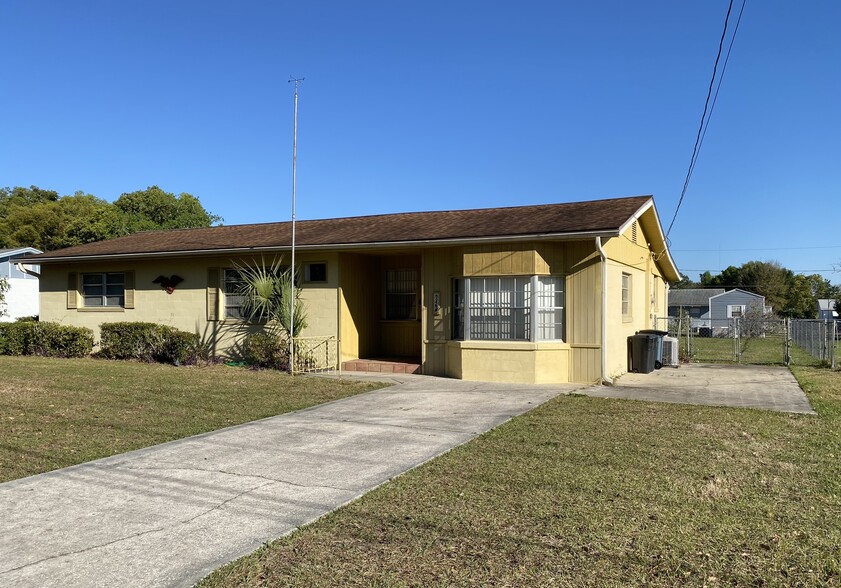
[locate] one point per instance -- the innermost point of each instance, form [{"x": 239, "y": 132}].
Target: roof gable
[{"x": 741, "y": 293}]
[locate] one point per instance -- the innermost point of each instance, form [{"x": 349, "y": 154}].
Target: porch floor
[{"x": 388, "y": 365}]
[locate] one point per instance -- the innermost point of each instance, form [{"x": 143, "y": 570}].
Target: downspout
[
  {"x": 23, "y": 269},
  {"x": 604, "y": 310}
]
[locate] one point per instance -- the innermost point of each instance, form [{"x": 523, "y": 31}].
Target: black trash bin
[
  {"x": 642, "y": 351},
  {"x": 658, "y": 359}
]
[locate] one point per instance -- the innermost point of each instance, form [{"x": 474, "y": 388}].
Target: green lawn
[
  {"x": 594, "y": 492},
  {"x": 60, "y": 412},
  {"x": 759, "y": 350}
]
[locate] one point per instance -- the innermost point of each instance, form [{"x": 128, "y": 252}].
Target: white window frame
[
  {"x": 497, "y": 302},
  {"x": 627, "y": 295},
  {"x": 231, "y": 310},
  {"x": 732, "y": 307},
  {"x": 104, "y": 283}
]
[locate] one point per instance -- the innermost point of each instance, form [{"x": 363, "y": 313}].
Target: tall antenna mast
[{"x": 292, "y": 288}]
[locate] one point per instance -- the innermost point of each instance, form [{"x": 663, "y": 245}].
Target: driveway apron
[{"x": 170, "y": 514}]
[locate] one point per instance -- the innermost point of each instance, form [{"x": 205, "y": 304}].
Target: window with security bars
[
  {"x": 401, "y": 294},
  {"x": 104, "y": 289},
  {"x": 501, "y": 308}
]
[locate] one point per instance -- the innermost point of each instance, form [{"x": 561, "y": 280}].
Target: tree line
[
  {"x": 32, "y": 217},
  {"x": 790, "y": 295}
]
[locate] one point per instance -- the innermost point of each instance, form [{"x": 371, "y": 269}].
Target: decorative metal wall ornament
[{"x": 169, "y": 283}]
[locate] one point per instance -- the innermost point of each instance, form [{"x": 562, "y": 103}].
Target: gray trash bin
[
  {"x": 658, "y": 358},
  {"x": 642, "y": 353}
]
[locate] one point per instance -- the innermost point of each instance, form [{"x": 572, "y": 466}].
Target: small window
[
  {"x": 233, "y": 299},
  {"x": 735, "y": 310},
  {"x": 104, "y": 290},
  {"x": 401, "y": 294},
  {"x": 626, "y": 295},
  {"x": 315, "y": 272}
]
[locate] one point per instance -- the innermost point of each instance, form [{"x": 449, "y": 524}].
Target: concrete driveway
[
  {"x": 170, "y": 514},
  {"x": 740, "y": 386}
]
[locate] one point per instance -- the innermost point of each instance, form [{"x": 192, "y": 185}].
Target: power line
[
  {"x": 718, "y": 87},
  {"x": 704, "y": 118},
  {"x": 756, "y": 249}
]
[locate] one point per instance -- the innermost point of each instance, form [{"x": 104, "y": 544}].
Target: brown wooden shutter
[
  {"x": 128, "y": 300},
  {"x": 213, "y": 293},
  {"x": 72, "y": 290}
]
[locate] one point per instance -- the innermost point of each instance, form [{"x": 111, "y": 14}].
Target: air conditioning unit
[{"x": 671, "y": 352}]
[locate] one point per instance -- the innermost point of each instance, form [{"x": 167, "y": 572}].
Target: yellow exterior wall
[
  {"x": 349, "y": 305},
  {"x": 575, "y": 359},
  {"x": 648, "y": 295},
  {"x": 359, "y": 280},
  {"x": 186, "y": 308}
]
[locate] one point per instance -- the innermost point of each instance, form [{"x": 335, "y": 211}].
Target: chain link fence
[{"x": 755, "y": 340}]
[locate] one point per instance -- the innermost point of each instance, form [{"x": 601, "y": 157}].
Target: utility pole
[{"x": 292, "y": 288}]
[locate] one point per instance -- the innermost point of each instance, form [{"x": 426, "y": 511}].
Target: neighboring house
[
  {"x": 536, "y": 294},
  {"x": 22, "y": 298},
  {"x": 826, "y": 309},
  {"x": 734, "y": 304},
  {"x": 694, "y": 303}
]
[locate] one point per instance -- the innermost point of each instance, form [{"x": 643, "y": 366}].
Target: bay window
[{"x": 509, "y": 308}]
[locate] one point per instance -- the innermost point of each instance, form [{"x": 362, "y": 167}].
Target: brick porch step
[{"x": 387, "y": 366}]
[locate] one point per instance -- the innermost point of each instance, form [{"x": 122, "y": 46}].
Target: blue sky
[{"x": 440, "y": 105}]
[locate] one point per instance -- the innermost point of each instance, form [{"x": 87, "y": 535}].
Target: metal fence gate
[{"x": 756, "y": 340}]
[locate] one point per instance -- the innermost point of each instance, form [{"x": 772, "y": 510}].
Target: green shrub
[
  {"x": 149, "y": 342},
  {"x": 47, "y": 339},
  {"x": 266, "y": 351}
]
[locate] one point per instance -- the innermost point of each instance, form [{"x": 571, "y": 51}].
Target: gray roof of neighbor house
[
  {"x": 693, "y": 296},
  {"x": 578, "y": 219}
]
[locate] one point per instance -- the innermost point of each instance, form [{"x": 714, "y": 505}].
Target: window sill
[
  {"x": 101, "y": 309},
  {"x": 509, "y": 345}
]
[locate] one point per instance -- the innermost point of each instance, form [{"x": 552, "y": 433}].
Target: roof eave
[{"x": 569, "y": 236}]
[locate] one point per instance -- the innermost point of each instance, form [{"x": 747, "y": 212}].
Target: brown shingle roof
[{"x": 545, "y": 219}]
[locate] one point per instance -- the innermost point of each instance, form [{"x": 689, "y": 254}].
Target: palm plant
[{"x": 266, "y": 291}]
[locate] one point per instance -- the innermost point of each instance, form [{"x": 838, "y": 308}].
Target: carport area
[{"x": 739, "y": 386}]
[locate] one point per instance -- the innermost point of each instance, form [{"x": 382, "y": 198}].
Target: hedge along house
[{"x": 532, "y": 294}]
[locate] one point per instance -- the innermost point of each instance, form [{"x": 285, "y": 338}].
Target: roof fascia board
[
  {"x": 354, "y": 246},
  {"x": 660, "y": 236},
  {"x": 738, "y": 290}
]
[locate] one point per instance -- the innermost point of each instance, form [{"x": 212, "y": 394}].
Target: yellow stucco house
[{"x": 530, "y": 294}]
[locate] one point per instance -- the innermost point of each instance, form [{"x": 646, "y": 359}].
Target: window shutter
[
  {"x": 213, "y": 293},
  {"x": 128, "y": 300},
  {"x": 72, "y": 290}
]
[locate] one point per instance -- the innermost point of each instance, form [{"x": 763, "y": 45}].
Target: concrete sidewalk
[
  {"x": 170, "y": 514},
  {"x": 737, "y": 386}
]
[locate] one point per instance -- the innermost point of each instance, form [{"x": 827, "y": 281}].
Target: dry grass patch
[
  {"x": 60, "y": 412},
  {"x": 594, "y": 492}
]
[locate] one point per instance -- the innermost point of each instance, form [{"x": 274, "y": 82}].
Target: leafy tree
[
  {"x": 791, "y": 295},
  {"x": 40, "y": 218},
  {"x": 153, "y": 208},
  {"x": 683, "y": 284},
  {"x": 20, "y": 196},
  {"x": 766, "y": 278}
]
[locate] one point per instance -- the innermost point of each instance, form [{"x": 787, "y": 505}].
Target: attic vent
[{"x": 634, "y": 232}]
